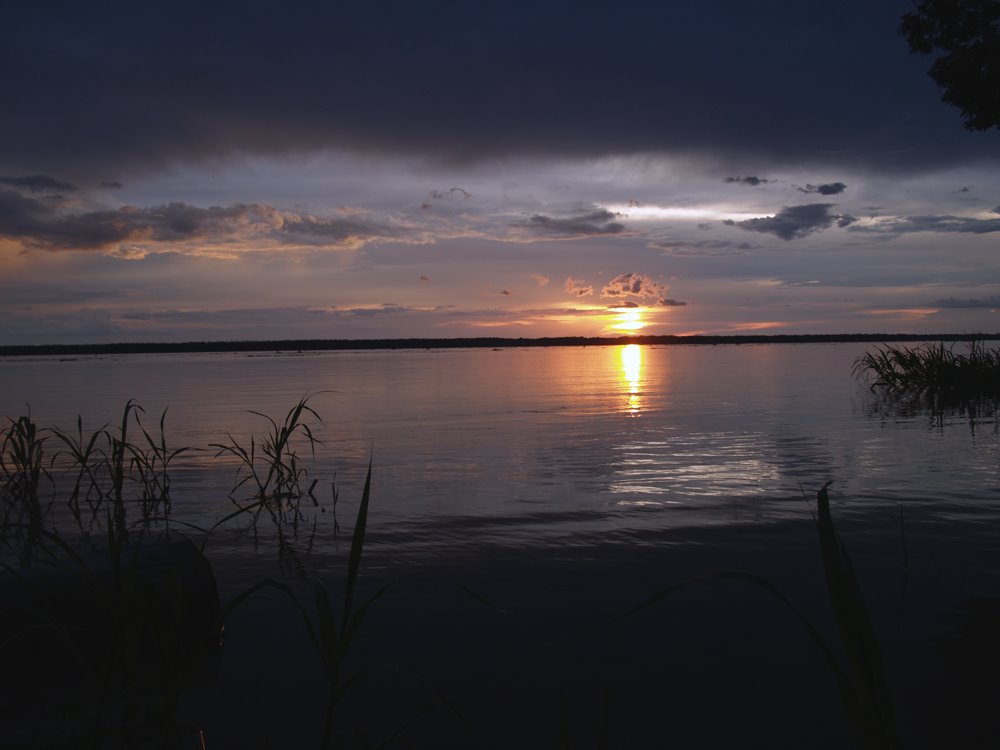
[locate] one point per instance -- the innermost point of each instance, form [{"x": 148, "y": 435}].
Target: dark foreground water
[{"x": 523, "y": 499}]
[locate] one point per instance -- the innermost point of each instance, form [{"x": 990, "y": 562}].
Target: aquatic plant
[
  {"x": 107, "y": 466},
  {"x": 932, "y": 370},
  {"x": 88, "y": 460},
  {"x": 21, "y": 470},
  {"x": 151, "y": 465},
  {"x": 113, "y": 625},
  {"x": 271, "y": 466},
  {"x": 131, "y": 666}
]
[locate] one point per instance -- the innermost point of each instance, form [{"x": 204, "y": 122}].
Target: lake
[{"x": 523, "y": 498}]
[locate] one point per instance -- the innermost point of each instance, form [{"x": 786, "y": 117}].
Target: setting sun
[{"x": 629, "y": 320}]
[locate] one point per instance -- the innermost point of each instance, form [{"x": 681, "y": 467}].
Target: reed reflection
[{"x": 631, "y": 356}]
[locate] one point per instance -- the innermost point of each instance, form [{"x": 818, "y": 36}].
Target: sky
[{"x": 181, "y": 171}]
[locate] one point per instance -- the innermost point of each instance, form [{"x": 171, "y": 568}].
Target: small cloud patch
[
  {"x": 39, "y": 183},
  {"x": 596, "y": 223},
  {"x": 829, "y": 188},
  {"x": 578, "y": 288},
  {"x": 635, "y": 289},
  {"x": 751, "y": 180}
]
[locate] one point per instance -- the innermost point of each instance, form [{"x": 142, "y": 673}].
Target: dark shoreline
[{"x": 462, "y": 343}]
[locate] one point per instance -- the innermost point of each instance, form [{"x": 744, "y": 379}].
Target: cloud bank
[
  {"x": 46, "y": 225},
  {"x": 150, "y": 84},
  {"x": 795, "y": 222}
]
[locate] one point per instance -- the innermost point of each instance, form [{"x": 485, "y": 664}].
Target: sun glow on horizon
[{"x": 629, "y": 319}]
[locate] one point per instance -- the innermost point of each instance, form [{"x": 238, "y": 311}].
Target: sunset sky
[{"x": 174, "y": 171}]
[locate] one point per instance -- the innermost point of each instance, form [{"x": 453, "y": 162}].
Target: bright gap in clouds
[
  {"x": 629, "y": 320},
  {"x": 659, "y": 213}
]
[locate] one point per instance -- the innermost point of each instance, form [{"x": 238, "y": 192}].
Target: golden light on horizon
[
  {"x": 631, "y": 355},
  {"x": 629, "y": 319}
]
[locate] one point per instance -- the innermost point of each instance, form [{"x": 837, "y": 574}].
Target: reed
[
  {"x": 932, "y": 370},
  {"x": 125, "y": 655},
  {"x": 865, "y": 693},
  {"x": 272, "y": 468},
  {"x": 108, "y": 468},
  {"x": 86, "y": 457},
  {"x": 21, "y": 471},
  {"x": 110, "y": 471},
  {"x": 151, "y": 464}
]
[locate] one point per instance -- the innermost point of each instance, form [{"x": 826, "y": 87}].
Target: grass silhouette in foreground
[{"x": 129, "y": 614}]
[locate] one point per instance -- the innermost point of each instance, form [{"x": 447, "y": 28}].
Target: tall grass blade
[
  {"x": 857, "y": 634},
  {"x": 357, "y": 545}
]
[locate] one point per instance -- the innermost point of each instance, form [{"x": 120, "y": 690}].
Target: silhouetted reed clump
[
  {"x": 102, "y": 634},
  {"x": 932, "y": 371},
  {"x": 271, "y": 467}
]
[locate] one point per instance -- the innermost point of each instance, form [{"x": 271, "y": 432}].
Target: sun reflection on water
[{"x": 631, "y": 355}]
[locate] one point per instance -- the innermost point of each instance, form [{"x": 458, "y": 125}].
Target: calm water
[
  {"x": 545, "y": 446},
  {"x": 563, "y": 486}
]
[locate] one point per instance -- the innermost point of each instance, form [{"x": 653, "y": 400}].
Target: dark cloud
[
  {"x": 749, "y": 180},
  {"x": 946, "y": 224},
  {"x": 39, "y": 183},
  {"x": 794, "y": 222},
  {"x": 317, "y": 230},
  {"x": 627, "y": 285},
  {"x": 42, "y": 226},
  {"x": 578, "y": 288},
  {"x": 111, "y": 184},
  {"x": 504, "y": 292},
  {"x": 829, "y": 188},
  {"x": 599, "y": 222},
  {"x": 637, "y": 286},
  {"x": 465, "y": 81},
  {"x": 39, "y": 224},
  {"x": 20, "y": 216},
  {"x": 987, "y": 302}
]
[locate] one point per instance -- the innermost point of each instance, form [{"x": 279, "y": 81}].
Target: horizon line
[{"x": 10, "y": 350}]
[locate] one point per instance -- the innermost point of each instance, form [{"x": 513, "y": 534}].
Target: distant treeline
[{"x": 454, "y": 343}]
